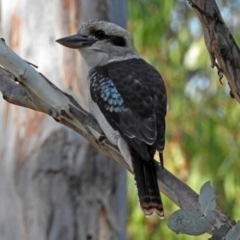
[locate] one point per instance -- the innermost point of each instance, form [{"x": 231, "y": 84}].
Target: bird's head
[{"x": 101, "y": 42}]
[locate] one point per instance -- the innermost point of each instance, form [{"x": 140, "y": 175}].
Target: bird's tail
[{"x": 148, "y": 191}]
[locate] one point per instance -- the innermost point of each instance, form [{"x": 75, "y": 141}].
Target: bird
[{"x": 127, "y": 96}]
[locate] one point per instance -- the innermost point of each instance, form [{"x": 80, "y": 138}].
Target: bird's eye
[{"x": 100, "y": 34}]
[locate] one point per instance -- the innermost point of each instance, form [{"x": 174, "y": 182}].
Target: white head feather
[{"x": 114, "y": 45}]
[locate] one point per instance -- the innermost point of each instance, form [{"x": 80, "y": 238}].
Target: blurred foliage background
[{"x": 202, "y": 138}]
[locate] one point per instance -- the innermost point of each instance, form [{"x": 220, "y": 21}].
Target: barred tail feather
[{"x": 148, "y": 191}]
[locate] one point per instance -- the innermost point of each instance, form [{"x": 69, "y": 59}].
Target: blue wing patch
[{"x": 104, "y": 89}]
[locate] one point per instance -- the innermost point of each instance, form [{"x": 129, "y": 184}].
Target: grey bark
[
  {"x": 223, "y": 50},
  {"x": 65, "y": 111},
  {"x": 53, "y": 184}
]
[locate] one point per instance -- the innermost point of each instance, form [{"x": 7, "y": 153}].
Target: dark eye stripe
[
  {"x": 100, "y": 34},
  {"x": 115, "y": 40},
  {"x": 118, "y": 41}
]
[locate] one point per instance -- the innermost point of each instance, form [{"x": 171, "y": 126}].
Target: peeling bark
[
  {"x": 52, "y": 183},
  {"x": 223, "y": 50},
  {"x": 36, "y": 92}
]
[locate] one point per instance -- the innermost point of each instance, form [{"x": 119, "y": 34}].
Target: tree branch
[
  {"x": 223, "y": 50},
  {"x": 34, "y": 91}
]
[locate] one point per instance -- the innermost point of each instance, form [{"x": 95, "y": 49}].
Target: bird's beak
[{"x": 76, "y": 41}]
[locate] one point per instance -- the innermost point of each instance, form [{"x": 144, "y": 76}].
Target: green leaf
[
  {"x": 234, "y": 234},
  {"x": 188, "y": 221},
  {"x": 207, "y": 198},
  {"x": 219, "y": 234}
]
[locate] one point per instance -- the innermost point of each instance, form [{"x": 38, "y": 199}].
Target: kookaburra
[{"x": 127, "y": 96}]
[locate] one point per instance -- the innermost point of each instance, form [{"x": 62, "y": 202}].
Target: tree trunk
[{"x": 53, "y": 184}]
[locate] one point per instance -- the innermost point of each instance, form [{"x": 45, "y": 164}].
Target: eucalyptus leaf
[
  {"x": 234, "y": 233},
  {"x": 188, "y": 221},
  {"x": 207, "y": 198},
  {"x": 219, "y": 234}
]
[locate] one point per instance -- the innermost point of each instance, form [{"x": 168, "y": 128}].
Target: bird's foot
[{"x": 101, "y": 139}]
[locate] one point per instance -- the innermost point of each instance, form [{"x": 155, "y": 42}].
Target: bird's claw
[{"x": 101, "y": 139}]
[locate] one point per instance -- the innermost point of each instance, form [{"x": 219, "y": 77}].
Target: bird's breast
[{"x": 110, "y": 133}]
